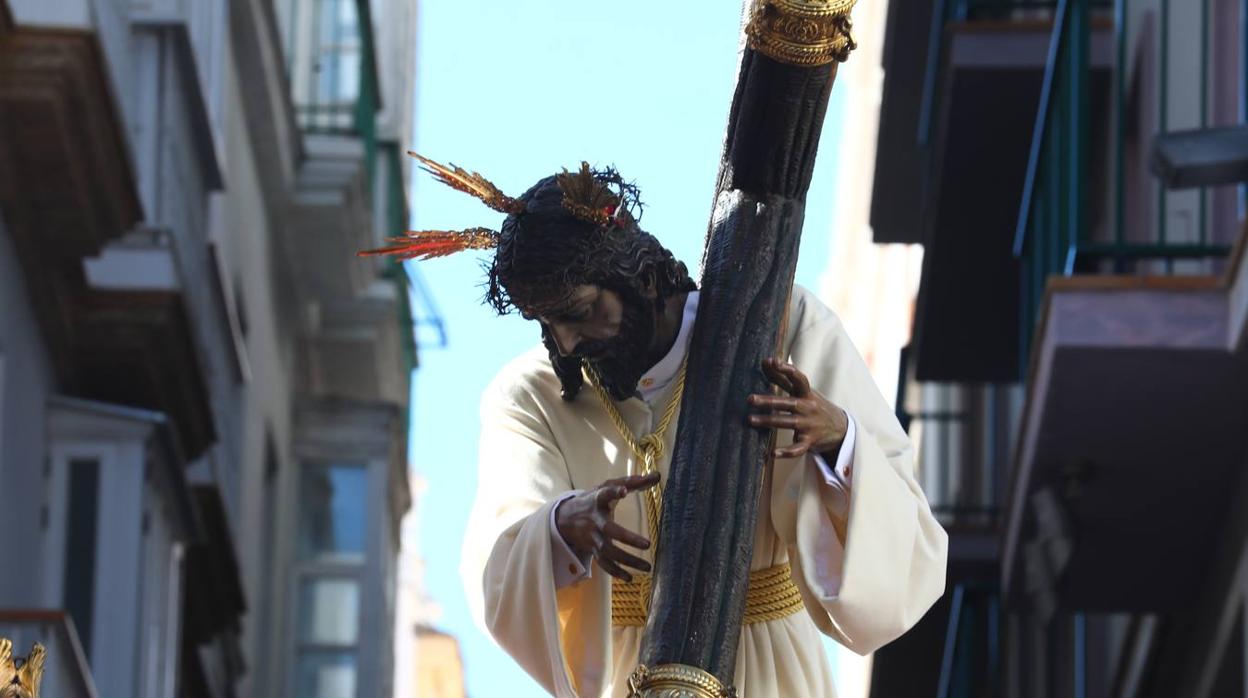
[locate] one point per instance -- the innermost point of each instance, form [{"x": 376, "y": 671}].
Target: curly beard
[
  {"x": 619, "y": 361},
  {"x": 622, "y": 360}
]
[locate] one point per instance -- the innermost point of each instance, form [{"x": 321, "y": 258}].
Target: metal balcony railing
[
  {"x": 1055, "y": 233},
  {"x": 970, "y": 664},
  {"x": 65, "y": 670},
  {"x": 947, "y": 11},
  {"x": 342, "y": 94},
  {"x": 961, "y": 436}
]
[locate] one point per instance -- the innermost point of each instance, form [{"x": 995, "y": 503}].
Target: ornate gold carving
[
  {"x": 676, "y": 681},
  {"x": 802, "y": 32},
  {"x": 20, "y": 678}
]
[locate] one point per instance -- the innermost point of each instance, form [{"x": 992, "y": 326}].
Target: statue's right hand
[{"x": 586, "y": 525}]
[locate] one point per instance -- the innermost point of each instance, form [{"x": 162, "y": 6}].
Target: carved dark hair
[{"x": 545, "y": 252}]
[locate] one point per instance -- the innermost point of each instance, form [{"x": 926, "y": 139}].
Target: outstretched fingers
[
  {"x": 617, "y": 532},
  {"x": 616, "y": 489},
  {"x": 614, "y": 554},
  {"x": 641, "y": 482},
  {"x": 612, "y": 568}
]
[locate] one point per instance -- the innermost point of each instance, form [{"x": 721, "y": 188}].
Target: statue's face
[
  {"x": 584, "y": 325},
  {"x": 614, "y": 333}
]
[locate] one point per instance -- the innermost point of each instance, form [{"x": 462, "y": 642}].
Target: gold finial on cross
[{"x": 20, "y": 676}]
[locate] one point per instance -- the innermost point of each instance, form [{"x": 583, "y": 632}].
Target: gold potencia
[
  {"x": 804, "y": 33},
  {"x": 20, "y": 678},
  {"x": 676, "y": 681}
]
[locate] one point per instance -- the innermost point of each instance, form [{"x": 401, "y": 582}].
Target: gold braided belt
[{"x": 771, "y": 595}]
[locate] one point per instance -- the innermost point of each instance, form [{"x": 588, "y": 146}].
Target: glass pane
[
  {"x": 333, "y": 512},
  {"x": 337, "y": 52},
  {"x": 325, "y": 675},
  {"x": 81, "y": 526},
  {"x": 329, "y": 611}
]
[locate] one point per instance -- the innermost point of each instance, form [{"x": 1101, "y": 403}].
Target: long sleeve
[
  {"x": 507, "y": 555},
  {"x": 569, "y": 568},
  {"x": 870, "y": 583}
]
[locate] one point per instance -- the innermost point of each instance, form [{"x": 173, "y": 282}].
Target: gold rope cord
[
  {"x": 771, "y": 593},
  {"x": 649, "y": 449}
]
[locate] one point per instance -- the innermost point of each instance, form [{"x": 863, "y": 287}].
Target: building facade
[
  {"x": 1075, "y": 379},
  {"x": 203, "y": 392}
]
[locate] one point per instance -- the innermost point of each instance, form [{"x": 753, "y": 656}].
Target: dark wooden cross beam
[{"x": 710, "y": 502}]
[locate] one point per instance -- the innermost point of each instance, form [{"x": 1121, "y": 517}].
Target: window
[
  {"x": 333, "y": 500},
  {"x": 338, "y": 52},
  {"x": 333, "y": 521},
  {"x": 113, "y": 524},
  {"x": 326, "y": 101},
  {"x": 329, "y": 611},
  {"x": 326, "y": 675},
  {"x": 80, "y": 545}
]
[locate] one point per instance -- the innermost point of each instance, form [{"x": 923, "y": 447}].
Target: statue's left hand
[{"x": 818, "y": 425}]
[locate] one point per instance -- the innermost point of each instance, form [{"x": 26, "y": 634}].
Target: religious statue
[{"x": 776, "y": 492}]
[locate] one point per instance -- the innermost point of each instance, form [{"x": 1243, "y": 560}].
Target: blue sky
[{"x": 518, "y": 90}]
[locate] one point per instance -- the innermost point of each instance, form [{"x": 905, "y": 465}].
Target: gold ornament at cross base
[
  {"x": 20, "y": 678},
  {"x": 676, "y": 681},
  {"x": 802, "y": 32}
]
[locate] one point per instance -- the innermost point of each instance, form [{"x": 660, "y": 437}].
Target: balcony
[
  {"x": 956, "y": 124},
  {"x": 1134, "y": 423},
  {"x": 961, "y": 435},
  {"x": 899, "y": 158},
  {"x": 1132, "y": 438},
  {"x": 349, "y": 195},
  {"x": 65, "y": 129},
  {"x": 65, "y": 670}
]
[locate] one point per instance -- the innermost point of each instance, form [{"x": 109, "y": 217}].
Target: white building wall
[
  {"x": 24, "y": 389},
  {"x": 247, "y": 238}
]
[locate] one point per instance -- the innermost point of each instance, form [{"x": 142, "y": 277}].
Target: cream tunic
[{"x": 863, "y": 591}]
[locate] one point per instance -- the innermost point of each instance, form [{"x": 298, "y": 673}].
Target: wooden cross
[{"x": 786, "y": 75}]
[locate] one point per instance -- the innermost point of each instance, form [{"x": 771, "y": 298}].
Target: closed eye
[
  {"x": 582, "y": 316},
  {"x": 577, "y": 315}
]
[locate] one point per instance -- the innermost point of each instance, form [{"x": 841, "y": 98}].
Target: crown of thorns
[{"x": 587, "y": 194}]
